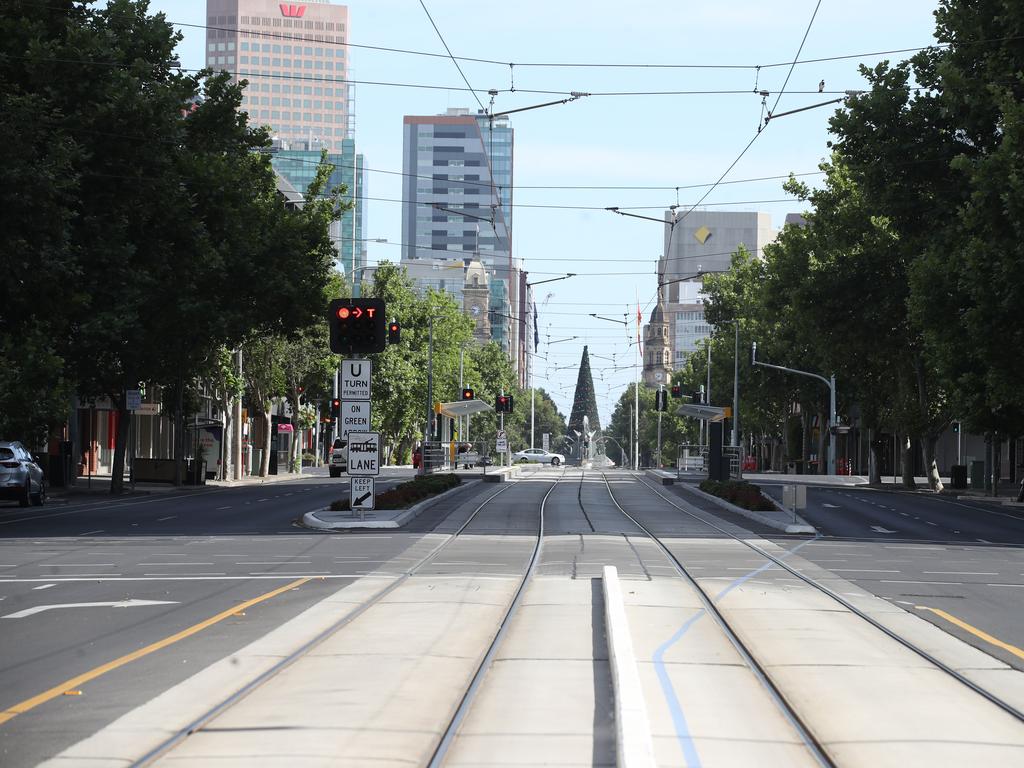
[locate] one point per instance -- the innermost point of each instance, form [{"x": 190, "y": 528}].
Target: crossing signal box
[
  {"x": 358, "y": 326},
  {"x": 661, "y": 400},
  {"x": 503, "y": 404},
  {"x": 335, "y": 408},
  {"x": 697, "y": 397},
  {"x": 394, "y": 332},
  {"x": 467, "y": 394},
  {"x": 677, "y": 391}
]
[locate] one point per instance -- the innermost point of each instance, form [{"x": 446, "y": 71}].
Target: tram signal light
[
  {"x": 661, "y": 400},
  {"x": 394, "y": 332},
  {"x": 503, "y": 404},
  {"x": 335, "y": 408},
  {"x": 468, "y": 394},
  {"x": 677, "y": 391},
  {"x": 357, "y": 326}
]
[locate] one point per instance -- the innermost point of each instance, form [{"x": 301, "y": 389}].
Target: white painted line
[
  {"x": 89, "y": 533},
  {"x": 116, "y": 604},
  {"x": 164, "y": 565},
  {"x": 47, "y": 586},
  {"x": 77, "y": 565},
  {"x": 632, "y": 728},
  {"x": 864, "y": 570},
  {"x": 984, "y": 541},
  {"x": 961, "y": 573},
  {"x": 1019, "y": 586},
  {"x": 227, "y": 507},
  {"x": 931, "y": 523},
  {"x": 169, "y": 517},
  {"x": 897, "y": 581},
  {"x": 908, "y": 546}
]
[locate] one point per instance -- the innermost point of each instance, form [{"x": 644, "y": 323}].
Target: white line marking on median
[
  {"x": 118, "y": 604},
  {"x": 47, "y": 586},
  {"x": 633, "y": 731}
]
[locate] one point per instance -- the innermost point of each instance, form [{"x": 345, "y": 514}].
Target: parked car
[
  {"x": 20, "y": 477},
  {"x": 539, "y": 456},
  {"x": 339, "y": 458}
]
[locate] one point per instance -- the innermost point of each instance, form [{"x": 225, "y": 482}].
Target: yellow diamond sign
[{"x": 702, "y": 235}]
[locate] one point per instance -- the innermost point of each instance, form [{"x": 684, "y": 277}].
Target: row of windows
[
  {"x": 306, "y": 117},
  {"x": 690, "y": 315},
  {"x": 224, "y": 46},
  {"x": 264, "y": 21},
  {"x": 248, "y": 74},
  {"x": 299, "y": 50},
  {"x": 267, "y": 61},
  {"x": 307, "y": 90},
  {"x": 211, "y": 60},
  {"x": 278, "y": 101}
]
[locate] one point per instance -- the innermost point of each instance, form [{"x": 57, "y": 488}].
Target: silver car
[
  {"x": 540, "y": 456},
  {"x": 20, "y": 477}
]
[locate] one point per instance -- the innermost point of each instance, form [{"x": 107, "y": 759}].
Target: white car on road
[
  {"x": 539, "y": 456},
  {"x": 339, "y": 458}
]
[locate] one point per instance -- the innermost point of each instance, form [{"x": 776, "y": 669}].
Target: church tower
[
  {"x": 476, "y": 300},
  {"x": 657, "y": 351}
]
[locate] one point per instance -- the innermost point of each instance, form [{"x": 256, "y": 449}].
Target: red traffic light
[
  {"x": 343, "y": 313},
  {"x": 467, "y": 394}
]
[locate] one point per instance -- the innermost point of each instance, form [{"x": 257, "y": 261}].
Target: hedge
[
  {"x": 742, "y": 494},
  {"x": 408, "y": 493}
]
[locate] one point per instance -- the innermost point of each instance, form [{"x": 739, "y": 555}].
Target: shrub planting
[
  {"x": 408, "y": 493},
  {"x": 746, "y": 495}
]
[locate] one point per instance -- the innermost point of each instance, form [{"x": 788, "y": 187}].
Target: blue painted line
[{"x": 682, "y": 728}]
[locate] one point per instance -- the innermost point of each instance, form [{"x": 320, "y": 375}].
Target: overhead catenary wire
[{"x": 452, "y": 56}]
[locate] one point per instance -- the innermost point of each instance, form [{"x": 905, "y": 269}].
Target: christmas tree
[{"x": 584, "y": 402}]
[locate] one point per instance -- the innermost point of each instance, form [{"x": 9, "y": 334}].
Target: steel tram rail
[
  {"x": 805, "y": 734},
  {"x": 441, "y": 752},
  {"x": 991, "y": 697},
  {"x": 225, "y": 704}
]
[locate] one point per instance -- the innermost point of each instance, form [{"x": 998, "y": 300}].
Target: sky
[{"x": 644, "y": 127}]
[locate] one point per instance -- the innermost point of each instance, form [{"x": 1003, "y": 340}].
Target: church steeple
[{"x": 657, "y": 349}]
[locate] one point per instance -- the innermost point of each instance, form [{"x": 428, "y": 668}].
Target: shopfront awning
[
  {"x": 465, "y": 408},
  {"x": 704, "y": 412}
]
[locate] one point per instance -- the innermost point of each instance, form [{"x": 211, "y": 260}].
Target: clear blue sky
[{"x": 660, "y": 141}]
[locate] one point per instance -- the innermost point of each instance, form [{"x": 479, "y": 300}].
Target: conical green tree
[{"x": 585, "y": 401}]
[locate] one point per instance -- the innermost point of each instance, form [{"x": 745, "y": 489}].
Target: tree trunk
[
  {"x": 265, "y": 453},
  {"x": 931, "y": 469},
  {"x": 179, "y": 434},
  {"x": 227, "y": 440},
  {"x": 124, "y": 417},
  {"x": 997, "y": 462},
  {"x": 874, "y": 460},
  {"x": 907, "y": 457}
]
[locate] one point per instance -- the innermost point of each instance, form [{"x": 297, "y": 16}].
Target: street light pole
[{"x": 430, "y": 396}]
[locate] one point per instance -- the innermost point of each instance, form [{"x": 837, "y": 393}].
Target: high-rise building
[
  {"x": 297, "y": 162},
  {"x": 295, "y": 59},
  {"x": 458, "y": 206},
  {"x": 702, "y": 242}
]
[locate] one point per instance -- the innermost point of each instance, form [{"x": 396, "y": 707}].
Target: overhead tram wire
[{"x": 452, "y": 56}]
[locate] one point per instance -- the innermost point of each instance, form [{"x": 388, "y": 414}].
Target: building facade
[
  {"x": 297, "y": 162},
  {"x": 702, "y": 242},
  {"x": 457, "y": 195},
  {"x": 657, "y": 347},
  {"x": 294, "y": 56}
]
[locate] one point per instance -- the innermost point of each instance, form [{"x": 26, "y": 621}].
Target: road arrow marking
[
  {"x": 880, "y": 529},
  {"x": 118, "y": 604}
]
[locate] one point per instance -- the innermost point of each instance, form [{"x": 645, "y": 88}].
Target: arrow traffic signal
[{"x": 357, "y": 326}]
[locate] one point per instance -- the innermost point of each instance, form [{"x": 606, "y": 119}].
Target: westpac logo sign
[{"x": 294, "y": 11}]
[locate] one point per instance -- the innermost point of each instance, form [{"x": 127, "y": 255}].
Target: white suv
[{"x": 339, "y": 458}]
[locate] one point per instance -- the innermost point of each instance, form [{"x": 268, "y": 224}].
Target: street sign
[
  {"x": 355, "y": 379},
  {"x": 363, "y": 454},
  {"x": 502, "y": 446},
  {"x": 132, "y": 399},
  {"x": 148, "y": 409},
  {"x": 361, "y": 496},
  {"x": 545, "y": 440},
  {"x": 355, "y": 417}
]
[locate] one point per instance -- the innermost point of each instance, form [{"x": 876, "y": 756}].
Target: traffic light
[
  {"x": 394, "y": 332},
  {"x": 357, "y": 326},
  {"x": 956, "y": 427},
  {"x": 467, "y": 394},
  {"x": 677, "y": 391},
  {"x": 503, "y": 404},
  {"x": 697, "y": 397},
  {"x": 661, "y": 400},
  {"x": 335, "y": 408}
]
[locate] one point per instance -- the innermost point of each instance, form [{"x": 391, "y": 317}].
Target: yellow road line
[
  {"x": 92, "y": 674},
  {"x": 974, "y": 630}
]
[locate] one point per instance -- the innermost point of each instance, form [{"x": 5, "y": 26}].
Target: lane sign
[
  {"x": 363, "y": 454},
  {"x": 118, "y": 604},
  {"x": 354, "y": 416},
  {"x": 355, "y": 379},
  {"x": 361, "y": 494}
]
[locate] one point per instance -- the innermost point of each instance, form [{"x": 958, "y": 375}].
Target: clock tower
[
  {"x": 476, "y": 300},
  {"x": 657, "y": 351}
]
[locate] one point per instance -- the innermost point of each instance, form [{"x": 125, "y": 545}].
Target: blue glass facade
[{"x": 298, "y": 166}]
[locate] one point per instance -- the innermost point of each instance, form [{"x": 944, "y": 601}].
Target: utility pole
[
  {"x": 661, "y": 388},
  {"x": 237, "y": 426}
]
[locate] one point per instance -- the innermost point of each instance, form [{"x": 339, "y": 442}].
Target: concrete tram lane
[{"x": 171, "y": 583}]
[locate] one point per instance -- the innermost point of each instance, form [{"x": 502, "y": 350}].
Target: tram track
[
  {"x": 196, "y": 725},
  {"x": 849, "y": 606}
]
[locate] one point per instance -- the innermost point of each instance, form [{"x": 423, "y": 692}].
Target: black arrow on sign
[{"x": 364, "y": 497}]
